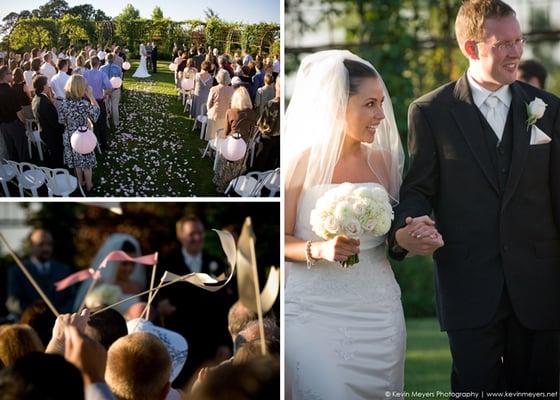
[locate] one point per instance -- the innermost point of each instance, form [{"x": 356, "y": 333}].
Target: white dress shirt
[
  {"x": 480, "y": 96},
  {"x": 48, "y": 70},
  {"x": 57, "y": 84},
  {"x": 194, "y": 262}
]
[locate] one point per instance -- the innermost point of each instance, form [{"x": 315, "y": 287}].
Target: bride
[
  {"x": 142, "y": 71},
  {"x": 345, "y": 331}
]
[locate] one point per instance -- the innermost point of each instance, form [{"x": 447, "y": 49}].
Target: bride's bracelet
[{"x": 308, "y": 257}]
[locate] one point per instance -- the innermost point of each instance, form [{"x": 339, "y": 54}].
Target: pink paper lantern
[
  {"x": 187, "y": 84},
  {"x": 233, "y": 147},
  {"x": 126, "y": 65},
  {"x": 116, "y": 82},
  {"x": 83, "y": 140},
  {"x": 173, "y": 67}
]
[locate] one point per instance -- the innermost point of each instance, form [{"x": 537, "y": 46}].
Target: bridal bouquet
[{"x": 352, "y": 211}]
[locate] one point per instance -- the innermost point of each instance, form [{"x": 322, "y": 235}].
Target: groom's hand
[{"x": 419, "y": 236}]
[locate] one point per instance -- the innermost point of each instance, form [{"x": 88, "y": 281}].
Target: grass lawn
[
  {"x": 428, "y": 361},
  {"x": 153, "y": 152}
]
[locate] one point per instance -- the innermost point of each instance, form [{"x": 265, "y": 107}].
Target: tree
[
  {"x": 209, "y": 14},
  {"x": 84, "y": 11},
  {"x": 157, "y": 13},
  {"x": 53, "y": 9},
  {"x": 8, "y": 26},
  {"x": 128, "y": 13}
]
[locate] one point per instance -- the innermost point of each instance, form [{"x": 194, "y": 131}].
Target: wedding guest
[
  {"x": 269, "y": 126},
  {"x": 112, "y": 70},
  {"x": 202, "y": 84},
  {"x": 38, "y": 316},
  {"x": 106, "y": 327},
  {"x": 16, "y": 341},
  {"x": 101, "y": 87},
  {"x": 45, "y": 271},
  {"x": 240, "y": 119},
  {"x": 25, "y": 58},
  {"x": 74, "y": 113},
  {"x": 58, "y": 82},
  {"x": 117, "y": 59},
  {"x": 27, "y": 73},
  {"x": 138, "y": 367},
  {"x": 257, "y": 80},
  {"x": 11, "y": 119},
  {"x": 247, "y": 58},
  {"x": 23, "y": 95},
  {"x": 36, "y": 66},
  {"x": 276, "y": 67},
  {"x": 47, "y": 68},
  {"x": 238, "y": 318},
  {"x": 41, "y": 376},
  {"x": 47, "y": 115},
  {"x": 199, "y": 58},
  {"x": 80, "y": 65},
  {"x": 264, "y": 93},
  {"x": 218, "y": 103},
  {"x": 72, "y": 58},
  {"x": 532, "y": 72}
]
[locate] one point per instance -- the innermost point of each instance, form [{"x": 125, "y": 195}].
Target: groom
[{"x": 492, "y": 182}]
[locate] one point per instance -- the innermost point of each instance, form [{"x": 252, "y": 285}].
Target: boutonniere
[{"x": 535, "y": 110}]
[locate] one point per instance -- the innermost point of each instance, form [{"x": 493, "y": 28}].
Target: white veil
[
  {"x": 108, "y": 274},
  {"x": 314, "y": 125}
]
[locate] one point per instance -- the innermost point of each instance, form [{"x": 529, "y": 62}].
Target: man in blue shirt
[
  {"x": 101, "y": 86},
  {"x": 113, "y": 70},
  {"x": 257, "y": 80}
]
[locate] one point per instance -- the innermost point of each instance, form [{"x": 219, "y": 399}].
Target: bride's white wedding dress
[
  {"x": 142, "y": 70},
  {"x": 345, "y": 331}
]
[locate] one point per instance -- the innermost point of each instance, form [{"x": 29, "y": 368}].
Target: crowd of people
[
  {"x": 189, "y": 344},
  {"x": 58, "y": 92},
  {"x": 240, "y": 96}
]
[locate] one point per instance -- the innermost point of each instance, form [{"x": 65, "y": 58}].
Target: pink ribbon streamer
[
  {"x": 75, "y": 278},
  {"x": 117, "y": 255}
]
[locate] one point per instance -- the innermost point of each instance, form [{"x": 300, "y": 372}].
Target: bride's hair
[{"x": 357, "y": 71}]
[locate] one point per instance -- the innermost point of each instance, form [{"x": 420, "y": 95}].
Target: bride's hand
[{"x": 337, "y": 249}]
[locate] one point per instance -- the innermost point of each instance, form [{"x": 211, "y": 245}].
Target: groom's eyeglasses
[{"x": 510, "y": 45}]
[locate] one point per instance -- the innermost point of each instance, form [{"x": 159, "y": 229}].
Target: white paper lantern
[
  {"x": 233, "y": 147},
  {"x": 126, "y": 65},
  {"x": 83, "y": 140},
  {"x": 187, "y": 84},
  {"x": 101, "y": 55},
  {"x": 173, "y": 67},
  {"x": 116, "y": 82}
]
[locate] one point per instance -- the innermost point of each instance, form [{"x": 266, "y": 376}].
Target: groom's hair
[
  {"x": 472, "y": 14},
  {"x": 357, "y": 71}
]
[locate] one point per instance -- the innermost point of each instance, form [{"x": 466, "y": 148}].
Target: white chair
[
  {"x": 273, "y": 183},
  {"x": 203, "y": 119},
  {"x": 249, "y": 185},
  {"x": 7, "y": 173},
  {"x": 60, "y": 182},
  {"x": 33, "y": 137},
  {"x": 29, "y": 177}
]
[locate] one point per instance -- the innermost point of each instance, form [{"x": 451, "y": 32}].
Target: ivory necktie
[{"x": 494, "y": 116}]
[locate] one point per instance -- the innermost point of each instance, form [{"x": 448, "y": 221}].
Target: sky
[{"x": 248, "y": 11}]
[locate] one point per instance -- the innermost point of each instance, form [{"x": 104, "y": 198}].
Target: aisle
[{"x": 154, "y": 152}]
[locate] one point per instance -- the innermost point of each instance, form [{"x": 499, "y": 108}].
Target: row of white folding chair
[
  {"x": 251, "y": 184},
  {"x": 202, "y": 118},
  {"x": 33, "y": 138},
  {"x": 30, "y": 177},
  {"x": 212, "y": 147}
]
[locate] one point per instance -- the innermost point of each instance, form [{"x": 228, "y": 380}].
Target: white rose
[
  {"x": 352, "y": 229},
  {"x": 331, "y": 225},
  {"x": 537, "y": 108},
  {"x": 343, "y": 211},
  {"x": 383, "y": 225},
  {"x": 363, "y": 192},
  {"x": 369, "y": 224},
  {"x": 359, "y": 207}
]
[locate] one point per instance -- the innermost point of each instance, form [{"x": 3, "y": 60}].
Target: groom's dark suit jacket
[{"x": 498, "y": 208}]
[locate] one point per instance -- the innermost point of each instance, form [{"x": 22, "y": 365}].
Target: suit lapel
[
  {"x": 466, "y": 116},
  {"x": 521, "y": 139}
]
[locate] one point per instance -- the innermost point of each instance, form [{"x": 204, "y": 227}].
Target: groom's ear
[{"x": 470, "y": 49}]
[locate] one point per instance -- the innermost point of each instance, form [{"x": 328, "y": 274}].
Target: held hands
[
  {"x": 337, "y": 249},
  {"x": 419, "y": 236}
]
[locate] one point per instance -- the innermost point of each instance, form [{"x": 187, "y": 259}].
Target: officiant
[{"x": 154, "y": 57}]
